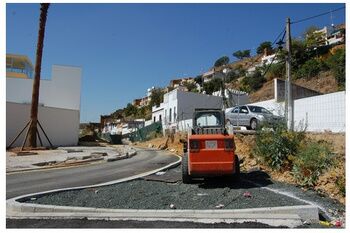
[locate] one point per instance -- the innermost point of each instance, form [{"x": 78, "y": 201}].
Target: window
[
  {"x": 258, "y": 109},
  {"x": 243, "y": 109},
  {"x": 208, "y": 119},
  {"x": 160, "y": 118},
  {"x": 174, "y": 113},
  {"x": 170, "y": 115},
  {"x": 154, "y": 119},
  {"x": 235, "y": 110}
]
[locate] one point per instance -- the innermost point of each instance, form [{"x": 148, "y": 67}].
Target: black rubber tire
[
  {"x": 252, "y": 125},
  {"x": 186, "y": 178},
  {"x": 237, "y": 172},
  {"x": 237, "y": 165}
]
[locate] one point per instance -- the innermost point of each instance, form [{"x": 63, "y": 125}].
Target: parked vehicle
[
  {"x": 251, "y": 116},
  {"x": 209, "y": 149}
]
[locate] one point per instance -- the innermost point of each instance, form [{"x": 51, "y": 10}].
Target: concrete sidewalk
[{"x": 66, "y": 156}]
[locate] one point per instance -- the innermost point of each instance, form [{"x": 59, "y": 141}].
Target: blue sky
[{"x": 124, "y": 49}]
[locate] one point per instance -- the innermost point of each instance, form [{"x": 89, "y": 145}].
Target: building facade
[
  {"x": 59, "y": 105},
  {"x": 179, "y": 106}
]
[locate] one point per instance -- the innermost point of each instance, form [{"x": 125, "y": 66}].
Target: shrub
[
  {"x": 340, "y": 183},
  {"x": 309, "y": 69},
  {"x": 254, "y": 82},
  {"x": 213, "y": 85},
  {"x": 277, "y": 70},
  {"x": 312, "y": 159},
  {"x": 336, "y": 63},
  {"x": 277, "y": 147}
]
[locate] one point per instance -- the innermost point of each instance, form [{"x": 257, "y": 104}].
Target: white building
[
  {"x": 59, "y": 104},
  {"x": 178, "y": 107}
]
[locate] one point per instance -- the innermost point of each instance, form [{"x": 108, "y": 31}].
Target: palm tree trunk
[{"x": 36, "y": 83}]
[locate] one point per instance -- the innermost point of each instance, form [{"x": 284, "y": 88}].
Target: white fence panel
[{"x": 320, "y": 113}]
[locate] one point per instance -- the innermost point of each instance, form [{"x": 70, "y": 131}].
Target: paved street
[{"x": 37, "y": 181}]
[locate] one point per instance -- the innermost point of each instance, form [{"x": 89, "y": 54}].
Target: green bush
[
  {"x": 213, "y": 85},
  {"x": 277, "y": 70},
  {"x": 253, "y": 82},
  {"x": 312, "y": 159},
  {"x": 309, "y": 69},
  {"x": 277, "y": 147},
  {"x": 336, "y": 63}
]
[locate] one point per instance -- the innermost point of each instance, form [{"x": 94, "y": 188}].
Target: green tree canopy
[
  {"x": 212, "y": 86},
  {"x": 156, "y": 97},
  {"x": 222, "y": 61},
  {"x": 240, "y": 54},
  {"x": 264, "y": 45}
]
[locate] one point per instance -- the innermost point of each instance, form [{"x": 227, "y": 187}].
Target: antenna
[{"x": 332, "y": 24}]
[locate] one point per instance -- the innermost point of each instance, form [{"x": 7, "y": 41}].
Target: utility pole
[{"x": 288, "y": 89}]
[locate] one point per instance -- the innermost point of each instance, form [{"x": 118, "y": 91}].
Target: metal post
[{"x": 289, "y": 99}]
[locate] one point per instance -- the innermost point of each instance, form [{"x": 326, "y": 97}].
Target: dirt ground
[{"x": 327, "y": 183}]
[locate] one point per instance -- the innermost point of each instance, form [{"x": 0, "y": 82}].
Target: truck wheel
[
  {"x": 186, "y": 178},
  {"x": 237, "y": 168}
]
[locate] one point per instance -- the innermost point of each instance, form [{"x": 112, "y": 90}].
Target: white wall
[
  {"x": 320, "y": 113},
  {"x": 62, "y": 91},
  {"x": 61, "y": 125}
]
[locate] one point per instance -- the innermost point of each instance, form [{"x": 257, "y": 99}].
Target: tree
[
  {"x": 264, "y": 45},
  {"x": 232, "y": 75},
  {"x": 222, "y": 61},
  {"x": 33, "y": 128},
  {"x": 191, "y": 86},
  {"x": 253, "y": 82},
  {"x": 212, "y": 86},
  {"x": 240, "y": 54},
  {"x": 336, "y": 63},
  {"x": 313, "y": 38},
  {"x": 130, "y": 110},
  {"x": 156, "y": 97},
  {"x": 199, "y": 79}
]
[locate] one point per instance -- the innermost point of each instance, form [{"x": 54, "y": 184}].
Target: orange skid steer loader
[{"x": 209, "y": 150}]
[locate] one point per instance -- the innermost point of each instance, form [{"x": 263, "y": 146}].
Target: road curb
[{"x": 291, "y": 216}]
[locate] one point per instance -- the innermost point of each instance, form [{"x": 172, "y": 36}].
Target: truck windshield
[{"x": 208, "y": 119}]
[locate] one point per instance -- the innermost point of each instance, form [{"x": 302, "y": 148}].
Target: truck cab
[{"x": 209, "y": 149}]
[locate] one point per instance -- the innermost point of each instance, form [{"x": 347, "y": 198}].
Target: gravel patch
[{"x": 145, "y": 194}]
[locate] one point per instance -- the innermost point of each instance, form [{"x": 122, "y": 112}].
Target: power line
[{"x": 315, "y": 16}]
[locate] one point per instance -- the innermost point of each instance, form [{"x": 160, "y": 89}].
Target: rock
[
  {"x": 220, "y": 206},
  {"x": 160, "y": 173},
  {"x": 202, "y": 194},
  {"x": 247, "y": 194},
  {"x": 172, "y": 150},
  {"x": 172, "y": 206},
  {"x": 150, "y": 145}
]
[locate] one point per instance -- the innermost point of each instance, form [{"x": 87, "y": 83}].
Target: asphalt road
[{"x": 37, "y": 181}]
